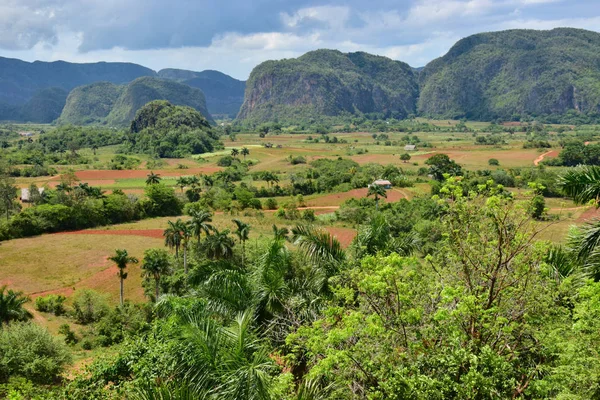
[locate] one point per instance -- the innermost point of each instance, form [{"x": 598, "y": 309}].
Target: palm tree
[
  {"x": 245, "y": 152},
  {"x": 377, "y": 191},
  {"x": 582, "y": 184},
  {"x": 173, "y": 236},
  {"x": 200, "y": 222},
  {"x": 121, "y": 259},
  {"x": 242, "y": 232},
  {"x": 322, "y": 250},
  {"x": 182, "y": 182},
  {"x": 11, "y": 306},
  {"x": 234, "y": 152},
  {"x": 208, "y": 181},
  {"x": 280, "y": 233},
  {"x": 186, "y": 233},
  {"x": 156, "y": 264},
  {"x": 152, "y": 178},
  {"x": 219, "y": 245}
]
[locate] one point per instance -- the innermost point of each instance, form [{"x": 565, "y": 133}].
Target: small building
[
  {"x": 383, "y": 182},
  {"x": 410, "y": 147},
  {"x": 26, "y": 196}
]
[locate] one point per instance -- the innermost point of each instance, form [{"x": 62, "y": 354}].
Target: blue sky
[{"x": 235, "y": 35}]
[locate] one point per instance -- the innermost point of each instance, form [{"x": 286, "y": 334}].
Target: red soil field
[
  {"x": 339, "y": 198},
  {"x": 100, "y": 174},
  {"x": 343, "y": 235},
  {"x": 592, "y": 213},
  {"x": 553, "y": 153}
]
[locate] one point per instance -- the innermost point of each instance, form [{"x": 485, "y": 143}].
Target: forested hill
[
  {"x": 224, "y": 94},
  {"x": 551, "y": 74},
  {"x": 328, "y": 82},
  {"x": 116, "y": 105},
  {"x": 21, "y": 81}
]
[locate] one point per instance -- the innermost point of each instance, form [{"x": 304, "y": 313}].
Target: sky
[{"x": 233, "y": 36}]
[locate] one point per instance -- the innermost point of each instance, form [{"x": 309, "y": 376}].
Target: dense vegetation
[
  {"x": 224, "y": 94},
  {"x": 328, "y": 82},
  {"x": 165, "y": 130},
  {"x": 509, "y": 75},
  {"x": 105, "y": 103}
]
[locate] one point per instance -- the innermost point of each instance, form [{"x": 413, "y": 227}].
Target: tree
[
  {"x": 94, "y": 148},
  {"x": 219, "y": 245},
  {"x": 245, "y": 152},
  {"x": 234, "y": 152},
  {"x": 122, "y": 259},
  {"x": 441, "y": 164},
  {"x": 173, "y": 235},
  {"x": 182, "y": 182},
  {"x": 405, "y": 157},
  {"x": 153, "y": 179},
  {"x": 493, "y": 162},
  {"x": 582, "y": 184},
  {"x": 8, "y": 194},
  {"x": 155, "y": 265},
  {"x": 376, "y": 191},
  {"x": 242, "y": 231},
  {"x": 200, "y": 222},
  {"x": 11, "y": 306}
]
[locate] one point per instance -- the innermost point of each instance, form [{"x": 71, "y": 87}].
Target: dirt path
[{"x": 551, "y": 153}]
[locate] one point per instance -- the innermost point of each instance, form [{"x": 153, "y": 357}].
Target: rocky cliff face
[
  {"x": 514, "y": 73},
  {"x": 328, "y": 82}
]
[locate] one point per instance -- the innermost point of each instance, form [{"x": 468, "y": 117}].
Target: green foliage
[
  {"x": 89, "y": 306},
  {"x": 11, "y": 306},
  {"x": 493, "y": 162},
  {"x": 165, "y": 130},
  {"x": 52, "y": 303},
  {"x": 440, "y": 165},
  {"x": 328, "y": 83},
  {"x": 113, "y": 105},
  {"x": 515, "y": 74},
  {"x": 30, "y": 351},
  {"x": 162, "y": 201}
]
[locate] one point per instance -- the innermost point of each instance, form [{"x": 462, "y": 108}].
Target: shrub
[
  {"x": 271, "y": 204},
  {"x": 493, "y": 161},
  {"x": 308, "y": 215},
  {"x": 53, "y": 303},
  {"x": 70, "y": 337},
  {"x": 30, "y": 351},
  {"x": 87, "y": 344},
  {"x": 225, "y": 161},
  {"x": 89, "y": 306}
]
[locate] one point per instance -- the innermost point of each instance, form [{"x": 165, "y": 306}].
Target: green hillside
[
  {"x": 114, "y": 105},
  {"x": 513, "y": 74},
  {"x": 224, "y": 94},
  {"x": 328, "y": 82},
  {"x": 30, "y": 91}
]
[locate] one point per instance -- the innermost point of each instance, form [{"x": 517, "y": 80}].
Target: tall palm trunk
[
  {"x": 156, "y": 288},
  {"x": 122, "y": 291},
  {"x": 185, "y": 267}
]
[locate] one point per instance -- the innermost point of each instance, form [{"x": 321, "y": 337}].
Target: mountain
[
  {"x": 328, "y": 82},
  {"x": 116, "y": 105},
  {"x": 46, "y": 83},
  {"x": 515, "y": 73},
  {"x": 224, "y": 94}
]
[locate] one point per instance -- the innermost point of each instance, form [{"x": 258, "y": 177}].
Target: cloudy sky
[{"x": 234, "y": 35}]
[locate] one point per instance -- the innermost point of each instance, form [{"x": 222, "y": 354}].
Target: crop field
[{"x": 65, "y": 262}]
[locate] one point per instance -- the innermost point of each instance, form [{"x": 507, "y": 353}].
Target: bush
[
  {"x": 493, "y": 161},
  {"x": 70, "y": 337},
  {"x": 308, "y": 215},
  {"x": 271, "y": 204},
  {"x": 89, "y": 306},
  {"x": 87, "y": 344},
  {"x": 53, "y": 303},
  {"x": 225, "y": 161},
  {"x": 30, "y": 351}
]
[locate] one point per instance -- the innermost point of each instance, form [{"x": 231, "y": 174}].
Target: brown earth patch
[
  {"x": 151, "y": 233},
  {"x": 101, "y": 174},
  {"x": 344, "y": 235},
  {"x": 592, "y": 213},
  {"x": 393, "y": 195},
  {"x": 552, "y": 153}
]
